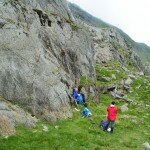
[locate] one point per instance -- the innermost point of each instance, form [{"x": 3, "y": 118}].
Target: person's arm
[{"x": 75, "y": 95}]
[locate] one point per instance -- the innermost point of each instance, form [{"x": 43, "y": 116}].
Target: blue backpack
[{"x": 103, "y": 124}]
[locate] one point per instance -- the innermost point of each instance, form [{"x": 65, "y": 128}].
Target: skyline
[{"x": 130, "y": 16}]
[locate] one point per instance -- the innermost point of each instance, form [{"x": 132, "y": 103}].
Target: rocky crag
[
  {"x": 116, "y": 39},
  {"x": 45, "y": 49},
  {"x": 42, "y": 55}
]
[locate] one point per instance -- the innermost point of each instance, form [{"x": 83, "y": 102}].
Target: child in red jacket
[{"x": 111, "y": 117}]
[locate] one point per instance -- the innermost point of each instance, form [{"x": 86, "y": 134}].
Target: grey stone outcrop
[
  {"x": 124, "y": 108},
  {"x": 43, "y": 53}
]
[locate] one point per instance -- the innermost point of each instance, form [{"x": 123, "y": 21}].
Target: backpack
[
  {"x": 103, "y": 124},
  {"x": 83, "y": 97}
]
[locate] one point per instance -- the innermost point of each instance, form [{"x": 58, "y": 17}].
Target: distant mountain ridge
[{"x": 140, "y": 48}]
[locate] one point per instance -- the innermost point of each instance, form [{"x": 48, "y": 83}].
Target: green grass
[
  {"x": 80, "y": 133},
  {"x": 141, "y": 89},
  {"x": 108, "y": 71}
]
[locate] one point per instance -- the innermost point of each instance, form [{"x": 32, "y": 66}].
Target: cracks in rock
[
  {"x": 48, "y": 45},
  {"x": 73, "y": 59},
  {"x": 60, "y": 24},
  {"x": 44, "y": 19},
  {"x": 2, "y": 24},
  {"x": 62, "y": 101},
  {"x": 65, "y": 82},
  {"x": 68, "y": 59},
  {"x": 64, "y": 60}
]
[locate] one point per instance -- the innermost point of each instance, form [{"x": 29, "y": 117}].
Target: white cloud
[{"x": 132, "y": 16}]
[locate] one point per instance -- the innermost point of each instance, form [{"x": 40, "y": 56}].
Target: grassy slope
[{"x": 84, "y": 133}]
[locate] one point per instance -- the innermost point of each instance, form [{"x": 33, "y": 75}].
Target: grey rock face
[
  {"x": 42, "y": 55},
  {"x": 2, "y": 23}
]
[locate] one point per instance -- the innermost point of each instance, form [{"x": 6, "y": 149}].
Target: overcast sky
[{"x": 132, "y": 16}]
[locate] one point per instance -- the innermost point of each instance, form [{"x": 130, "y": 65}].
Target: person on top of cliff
[{"x": 111, "y": 117}]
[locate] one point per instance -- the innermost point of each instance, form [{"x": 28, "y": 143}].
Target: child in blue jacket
[{"x": 86, "y": 112}]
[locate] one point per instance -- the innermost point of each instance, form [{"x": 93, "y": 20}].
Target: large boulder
[
  {"x": 16, "y": 115},
  {"x": 7, "y": 127}
]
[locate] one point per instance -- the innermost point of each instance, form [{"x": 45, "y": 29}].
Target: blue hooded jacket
[
  {"x": 75, "y": 94},
  {"x": 86, "y": 112}
]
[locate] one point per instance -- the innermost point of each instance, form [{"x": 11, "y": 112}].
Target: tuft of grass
[{"x": 84, "y": 81}]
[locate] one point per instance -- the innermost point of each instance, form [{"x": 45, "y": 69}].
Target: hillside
[
  {"x": 131, "y": 130},
  {"x": 85, "y": 16},
  {"x": 140, "y": 48},
  {"x": 46, "y": 50}
]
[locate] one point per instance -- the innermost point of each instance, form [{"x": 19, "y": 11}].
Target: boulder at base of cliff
[
  {"x": 7, "y": 128},
  {"x": 11, "y": 116}
]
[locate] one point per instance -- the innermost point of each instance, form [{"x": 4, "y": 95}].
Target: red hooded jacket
[{"x": 112, "y": 113}]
